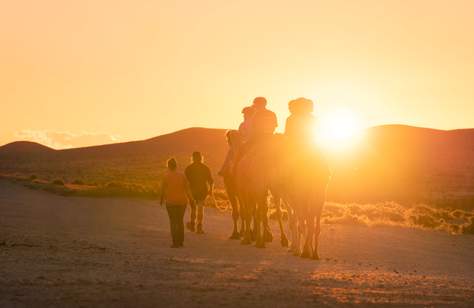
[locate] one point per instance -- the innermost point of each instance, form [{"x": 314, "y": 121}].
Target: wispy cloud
[{"x": 64, "y": 140}]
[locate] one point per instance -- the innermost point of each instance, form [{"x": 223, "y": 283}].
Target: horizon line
[{"x": 215, "y": 128}]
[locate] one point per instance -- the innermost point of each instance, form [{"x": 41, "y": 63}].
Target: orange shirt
[{"x": 175, "y": 188}]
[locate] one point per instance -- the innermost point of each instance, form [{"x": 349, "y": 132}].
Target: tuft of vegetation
[
  {"x": 78, "y": 182},
  {"x": 58, "y": 182},
  {"x": 468, "y": 228}
]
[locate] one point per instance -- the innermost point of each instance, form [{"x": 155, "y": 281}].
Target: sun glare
[{"x": 339, "y": 129}]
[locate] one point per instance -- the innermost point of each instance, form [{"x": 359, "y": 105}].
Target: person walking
[
  {"x": 175, "y": 193},
  {"x": 201, "y": 185}
]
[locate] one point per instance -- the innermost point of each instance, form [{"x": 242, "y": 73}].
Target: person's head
[
  {"x": 260, "y": 103},
  {"x": 301, "y": 106},
  {"x": 172, "y": 165},
  {"x": 197, "y": 157},
  {"x": 248, "y": 112}
]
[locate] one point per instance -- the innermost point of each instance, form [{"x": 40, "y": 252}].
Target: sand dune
[{"x": 65, "y": 251}]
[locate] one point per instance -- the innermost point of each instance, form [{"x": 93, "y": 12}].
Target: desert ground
[{"x": 74, "y": 251}]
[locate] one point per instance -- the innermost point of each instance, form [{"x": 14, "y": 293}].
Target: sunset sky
[{"x": 75, "y": 73}]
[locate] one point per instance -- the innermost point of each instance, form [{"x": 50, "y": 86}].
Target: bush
[
  {"x": 78, "y": 182},
  {"x": 58, "y": 182},
  {"x": 469, "y": 227},
  {"x": 33, "y": 177}
]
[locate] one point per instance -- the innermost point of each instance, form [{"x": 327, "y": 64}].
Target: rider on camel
[
  {"x": 300, "y": 125},
  {"x": 264, "y": 121},
  {"x": 258, "y": 129},
  {"x": 245, "y": 126},
  {"x": 300, "y": 134}
]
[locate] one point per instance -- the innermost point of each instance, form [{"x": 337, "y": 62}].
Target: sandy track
[{"x": 64, "y": 251}]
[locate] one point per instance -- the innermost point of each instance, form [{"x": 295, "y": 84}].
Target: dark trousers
[
  {"x": 197, "y": 211},
  {"x": 176, "y": 216}
]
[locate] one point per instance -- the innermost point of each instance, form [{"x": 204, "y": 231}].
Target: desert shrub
[
  {"x": 424, "y": 220},
  {"x": 469, "y": 227},
  {"x": 78, "y": 182},
  {"x": 33, "y": 177},
  {"x": 457, "y": 214},
  {"x": 33, "y": 185},
  {"x": 58, "y": 182}
]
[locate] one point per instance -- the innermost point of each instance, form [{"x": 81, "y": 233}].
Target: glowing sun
[{"x": 339, "y": 129}]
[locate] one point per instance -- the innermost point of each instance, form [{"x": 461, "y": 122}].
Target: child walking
[{"x": 175, "y": 193}]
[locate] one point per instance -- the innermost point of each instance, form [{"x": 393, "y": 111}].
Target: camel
[
  {"x": 233, "y": 139},
  {"x": 306, "y": 194},
  {"x": 255, "y": 175},
  {"x": 296, "y": 180}
]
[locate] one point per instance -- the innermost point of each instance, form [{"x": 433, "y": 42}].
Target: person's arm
[
  {"x": 275, "y": 122},
  {"x": 163, "y": 191},
  {"x": 188, "y": 189},
  {"x": 187, "y": 173}
]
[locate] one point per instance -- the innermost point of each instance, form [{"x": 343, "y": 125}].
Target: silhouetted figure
[
  {"x": 300, "y": 125},
  {"x": 245, "y": 126},
  {"x": 175, "y": 192},
  {"x": 201, "y": 184},
  {"x": 261, "y": 126},
  {"x": 264, "y": 121}
]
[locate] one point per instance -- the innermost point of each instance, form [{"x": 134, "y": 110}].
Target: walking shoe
[{"x": 190, "y": 226}]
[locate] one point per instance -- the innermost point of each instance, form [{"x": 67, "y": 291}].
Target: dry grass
[{"x": 454, "y": 221}]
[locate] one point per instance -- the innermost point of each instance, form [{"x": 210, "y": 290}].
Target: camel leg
[
  {"x": 292, "y": 221},
  {"x": 283, "y": 238},
  {"x": 317, "y": 231},
  {"x": 320, "y": 200},
  {"x": 235, "y": 217},
  {"x": 300, "y": 230},
  {"x": 261, "y": 213},
  {"x": 308, "y": 243},
  {"x": 242, "y": 221},
  {"x": 247, "y": 238},
  {"x": 317, "y": 227},
  {"x": 267, "y": 233},
  {"x": 247, "y": 218},
  {"x": 253, "y": 223}
]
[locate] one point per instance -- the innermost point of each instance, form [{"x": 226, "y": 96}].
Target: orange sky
[{"x": 75, "y": 73}]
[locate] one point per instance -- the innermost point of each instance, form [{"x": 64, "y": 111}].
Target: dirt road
[{"x": 65, "y": 251}]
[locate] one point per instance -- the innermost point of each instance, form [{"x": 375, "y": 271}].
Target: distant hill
[
  {"x": 137, "y": 162},
  {"x": 210, "y": 141},
  {"x": 409, "y": 163},
  {"x": 23, "y": 147},
  {"x": 395, "y": 162}
]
